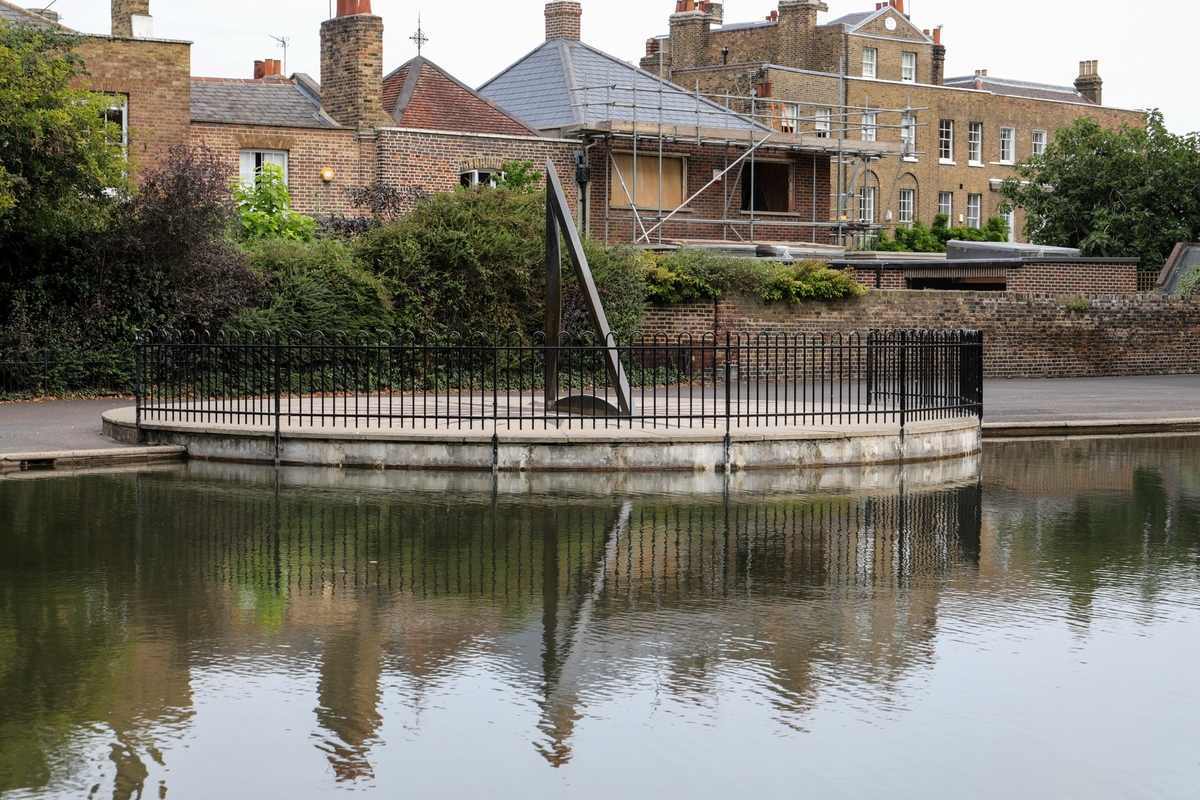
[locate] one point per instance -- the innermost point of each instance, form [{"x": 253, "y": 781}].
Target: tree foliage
[
  {"x": 264, "y": 208},
  {"x": 1112, "y": 192},
  {"x": 917, "y": 238},
  {"x": 686, "y": 276}
]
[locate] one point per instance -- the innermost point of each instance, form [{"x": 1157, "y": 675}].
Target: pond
[{"x": 1024, "y": 624}]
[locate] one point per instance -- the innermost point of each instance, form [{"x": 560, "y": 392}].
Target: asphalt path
[{"x": 75, "y": 424}]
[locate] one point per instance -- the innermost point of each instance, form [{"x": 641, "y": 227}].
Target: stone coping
[
  {"x": 80, "y": 458},
  {"x": 1085, "y": 427}
]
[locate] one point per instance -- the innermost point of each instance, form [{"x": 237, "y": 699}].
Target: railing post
[
  {"x": 903, "y": 383},
  {"x": 278, "y": 396},
  {"x": 728, "y": 399},
  {"x": 137, "y": 385},
  {"x": 46, "y": 370}
]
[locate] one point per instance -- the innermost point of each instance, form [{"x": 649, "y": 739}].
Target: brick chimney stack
[
  {"x": 123, "y": 13},
  {"x": 798, "y": 33},
  {"x": 939, "y": 58},
  {"x": 352, "y": 66},
  {"x": 1089, "y": 83},
  {"x": 563, "y": 20}
]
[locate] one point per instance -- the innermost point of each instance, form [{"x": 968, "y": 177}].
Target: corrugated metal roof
[
  {"x": 566, "y": 82},
  {"x": 255, "y": 102}
]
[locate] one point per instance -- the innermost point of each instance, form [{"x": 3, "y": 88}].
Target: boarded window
[
  {"x": 674, "y": 172},
  {"x": 767, "y": 187}
]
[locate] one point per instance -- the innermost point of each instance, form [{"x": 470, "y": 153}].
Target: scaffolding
[{"x": 633, "y": 116}]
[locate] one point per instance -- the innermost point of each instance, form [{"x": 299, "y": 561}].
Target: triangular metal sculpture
[{"x": 559, "y": 222}]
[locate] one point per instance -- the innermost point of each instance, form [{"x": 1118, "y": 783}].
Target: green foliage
[
  {"x": 1078, "y": 304},
  {"x": 264, "y": 208},
  {"x": 315, "y": 286},
  {"x": 1124, "y": 192},
  {"x": 1189, "y": 286},
  {"x": 685, "y": 276},
  {"x": 919, "y": 239},
  {"x": 519, "y": 176}
]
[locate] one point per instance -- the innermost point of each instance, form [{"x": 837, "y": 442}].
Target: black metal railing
[
  {"x": 47, "y": 372},
  {"x": 480, "y": 381}
]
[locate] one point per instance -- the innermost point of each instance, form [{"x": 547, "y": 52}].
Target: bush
[
  {"x": 264, "y": 208},
  {"x": 919, "y": 239},
  {"x": 685, "y": 276},
  {"x": 1190, "y": 285}
]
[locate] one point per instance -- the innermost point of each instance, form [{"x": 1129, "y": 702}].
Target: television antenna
[{"x": 284, "y": 41}]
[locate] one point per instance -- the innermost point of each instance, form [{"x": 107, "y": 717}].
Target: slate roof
[
  {"x": 565, "y": 82},
  {"x": 1011, "y": 88},
  {"x": 281, "y": 102},
  {"x": 852, "y": 20},
  {"x": 741, "y": 26},
  {"x": 15, "y": 15},
  {"x": 422, "y": 95}
]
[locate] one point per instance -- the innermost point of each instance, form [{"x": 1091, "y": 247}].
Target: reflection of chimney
[
  {"x": 352, "y": 66},
  {"x": 130, "y": 14},
  {"x": 1089, "y": 83},
  {"x": 563, "y": 20}
]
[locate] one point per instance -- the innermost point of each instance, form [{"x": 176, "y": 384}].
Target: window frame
[
  {"x": 946, "y": 141},
  {"x": 475, "y": 177},
  {"x": 747, "y": 186},
  {"x": 873, "y": 61},
  {"x": 908, "y": 67},
  {"x": 975, "y": 211},
  {"x": 870, "y": 126},
  {"x": 946, "y": 206},
  {"x": 1038, "y": 144},
  {"x": 906, "y": 206},
  {"x": 1008, "y": 136},
  {"x": 975, "y": 144},
  {"x": 822, "y": 122},
  {"x": 118, "y": 103},
  {"x": 615, "y": 190},
  {"x": 908, "y": 133},
  {"x": 866, "y": 201},
  {"x": 256, "y": 154}
]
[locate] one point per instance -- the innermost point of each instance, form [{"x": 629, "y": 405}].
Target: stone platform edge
[
  {"x": 578, "y": 450},
  {"x": 1065, "y": 428},
  {"x": 91, "y": 458}
]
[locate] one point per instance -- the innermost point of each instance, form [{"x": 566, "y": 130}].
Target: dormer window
[{"x": 870, "y": 62}]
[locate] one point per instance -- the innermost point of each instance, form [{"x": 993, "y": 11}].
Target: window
[
  {"x": 869, "y": 122},
  {"x": 1039, "y": 143},
  {"x": 789, "y": 114},
  {"x": 1008, "y": 145},
  {"x": 974, "y": 211},
  {"x": 975, "y": 143},
  {"x": 767, "y": 187},
  {"x": 475, "y": 177},
  {"x": 908, "y": 199},
  {"x": 946, "y": 205},
  {"x": 908, "y": 132},
  {"x": 118, "y": 114},
  {"x": 252, "y": 161},
  {"x": 946, "y": 141},
  {"x": 822, "y": 123},
  {"x": 908, "y": 67},
  {"x": 1011, "y": 219},
  {"x": 866, "y": 204},
  {"x": 870, "y": 60},
  {"x": 674, "y": 172}
]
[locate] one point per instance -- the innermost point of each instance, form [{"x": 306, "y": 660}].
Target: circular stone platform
[{"x": 575, "y": 449}]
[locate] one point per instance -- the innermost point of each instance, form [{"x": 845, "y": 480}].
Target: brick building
[
  {"x": 659, "y": 163},
  {"x": 875, "y": 75}
]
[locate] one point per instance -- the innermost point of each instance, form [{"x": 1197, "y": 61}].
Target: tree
[
  {"x": 264, "y": 208},
  {"x": 1123, "y": 192}
]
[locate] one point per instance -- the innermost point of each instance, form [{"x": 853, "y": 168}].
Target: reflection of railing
[{"x": 475, "y": 382}]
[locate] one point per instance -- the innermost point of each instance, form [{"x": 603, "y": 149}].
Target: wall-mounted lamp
[{"x": 327, "y": 174}]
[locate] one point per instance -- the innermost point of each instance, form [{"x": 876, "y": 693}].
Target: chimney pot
[{"x": 260, "y": 70}]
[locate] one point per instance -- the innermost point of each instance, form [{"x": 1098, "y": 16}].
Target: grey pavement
[
  {"x": 55, "y": 425},
  {"x": 1058, "y": 400},
  {"x": 75, "y": 424}
]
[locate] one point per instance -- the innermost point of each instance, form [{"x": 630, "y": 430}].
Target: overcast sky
[{"x": 1146, "y": 58}]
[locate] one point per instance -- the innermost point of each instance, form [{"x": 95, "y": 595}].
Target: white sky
[{"x": 1146, "y": 59}]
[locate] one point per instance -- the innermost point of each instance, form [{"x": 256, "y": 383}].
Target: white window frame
[
  {"x": 1011, "y": 219},
  {"x": 974, "y": 211},
  {"x": 1039, "y": 143},
  {"x": 946, "y": 206},
  {"x": 908, "y": 67},
  {"x": 474, "y": 177},
  {"x": 791, "y": 118},
  {"x": 907, "y": 205},
  {"x": 946, "y": 141},
  {"x": 118, "y": 103},
  {"x": 908, "y": 134},
  {"x": 866, "y": 204},
  {"x": 870, "y": 62},
  {"x": 252, "y": 159},
  {"x": 975, "y": 144},
  {"x": 822, "y": 124},
  {"x": 870, "y": 122},
  {"x": 1008, "y": 145}
]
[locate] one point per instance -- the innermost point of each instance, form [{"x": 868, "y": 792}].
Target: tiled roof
[
  {"x": 16, "y": 15},
  {"x": 851, "y": 20},
  {"x": 422, "y": 95},
  {"x": 566, "y": 82},
  {"x": 1010, "y": 88},
  {"x": 279, "y": 103}
]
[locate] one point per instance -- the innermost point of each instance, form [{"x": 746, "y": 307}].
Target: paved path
[{"x": 75, "y": 424}]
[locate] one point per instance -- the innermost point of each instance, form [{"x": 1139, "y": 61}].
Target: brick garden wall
[
  {"x": 1025, "y": 335},
  {"x": 1084, "y": 277}
]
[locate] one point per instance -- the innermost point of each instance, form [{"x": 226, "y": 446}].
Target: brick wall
[
  {"x": 1025, "y": 336},
  {"x": 352, "y": 70},
  {"x": 1080, "y": 277},
  {"x": 156, "y": 77}
]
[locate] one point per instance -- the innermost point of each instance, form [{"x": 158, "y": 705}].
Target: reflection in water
[{"x": 120, "y": 590}]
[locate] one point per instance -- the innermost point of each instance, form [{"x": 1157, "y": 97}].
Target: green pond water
[{"x": 1024, "y": 624}]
